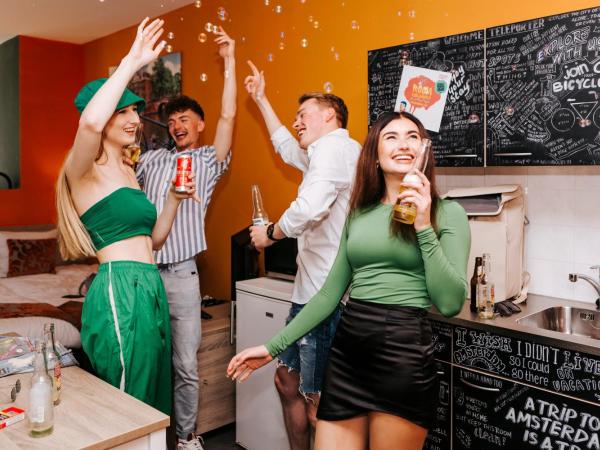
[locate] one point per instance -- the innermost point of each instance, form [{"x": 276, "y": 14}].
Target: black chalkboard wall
[
  {"x": 543, "y": 90},
  {"x": 460, "y": 140}
]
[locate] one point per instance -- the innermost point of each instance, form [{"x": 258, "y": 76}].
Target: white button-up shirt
[{"x": 317, "y": 216}]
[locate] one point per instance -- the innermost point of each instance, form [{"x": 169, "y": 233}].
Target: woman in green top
[
  {"x": 380, "y": 387},
  {"x": 102, "y": 212}
]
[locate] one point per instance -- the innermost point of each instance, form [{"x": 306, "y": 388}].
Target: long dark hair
[{"x": 369, "y": 186}]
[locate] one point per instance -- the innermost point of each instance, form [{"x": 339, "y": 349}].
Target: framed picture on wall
[{"x": 156, "y": 83}]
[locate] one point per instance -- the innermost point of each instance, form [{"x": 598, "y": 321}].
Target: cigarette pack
[{"x": 11, "y": 415}]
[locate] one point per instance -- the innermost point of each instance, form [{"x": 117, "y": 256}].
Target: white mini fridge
[{"x": 262, "y": 306}]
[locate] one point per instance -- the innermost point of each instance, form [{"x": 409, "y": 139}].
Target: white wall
[{"x": 563, "y": 207}]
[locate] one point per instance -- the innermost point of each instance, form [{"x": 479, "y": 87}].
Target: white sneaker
[{"x": 194, "y": 442}]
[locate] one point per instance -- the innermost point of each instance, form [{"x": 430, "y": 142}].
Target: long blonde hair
[{"x": 74, "y": 242}]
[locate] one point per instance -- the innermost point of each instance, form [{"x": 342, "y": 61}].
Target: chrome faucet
[{"x": 573, "y": 277}]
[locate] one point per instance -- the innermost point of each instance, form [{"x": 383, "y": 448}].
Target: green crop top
[
  {"x": 122, "y": 214},
  {"x": 381, "y": 268}
]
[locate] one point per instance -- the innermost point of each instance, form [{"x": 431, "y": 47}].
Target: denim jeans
[
  {"x": 308, "y": 355},
  {"x": 182, "y": 285}
]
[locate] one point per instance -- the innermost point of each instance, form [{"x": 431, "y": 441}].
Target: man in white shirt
[{"x": 327, "y": 157}]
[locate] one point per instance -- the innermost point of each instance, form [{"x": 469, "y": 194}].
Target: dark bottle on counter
[{"x": 477, "y": 270}]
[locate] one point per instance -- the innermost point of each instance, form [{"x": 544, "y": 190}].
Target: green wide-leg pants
[{"x": 125, "y": 331}]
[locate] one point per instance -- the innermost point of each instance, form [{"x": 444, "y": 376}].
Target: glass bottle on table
[
  {"x": 477, "y": 270},
  {"x": 53, "y": 361},
  {"x": 40, "y": 413},
  {"x": 259, "y": 215},
  {"x": 406, "y": 212},
  {"x": 485, "y": 290}
]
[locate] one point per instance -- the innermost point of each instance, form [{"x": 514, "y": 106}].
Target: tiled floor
[{"x": 221, "y": 439}]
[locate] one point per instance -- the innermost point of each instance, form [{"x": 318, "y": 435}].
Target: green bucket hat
[{"x": 89, "y": 90}]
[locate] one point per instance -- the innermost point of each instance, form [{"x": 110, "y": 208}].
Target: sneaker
[{"x": 193, "y": 442}]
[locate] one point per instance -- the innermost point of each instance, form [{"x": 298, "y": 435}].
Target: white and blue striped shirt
[{"x": 155, "y": 172}]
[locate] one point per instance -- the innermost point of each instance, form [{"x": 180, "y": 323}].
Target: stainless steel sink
[{"x": 565, "y": 319}]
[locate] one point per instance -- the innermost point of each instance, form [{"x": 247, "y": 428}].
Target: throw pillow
[
  {"x": 5, "y": 234},
  {"x": 31, "y": 256}
]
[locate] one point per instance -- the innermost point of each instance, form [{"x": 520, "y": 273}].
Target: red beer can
[{"x": 184, "y": 169}]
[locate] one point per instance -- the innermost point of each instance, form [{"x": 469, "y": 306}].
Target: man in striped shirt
[{"x": 177, "y": 258}]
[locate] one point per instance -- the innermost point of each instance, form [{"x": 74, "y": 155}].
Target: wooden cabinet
[{"x": 216, "y": 406}]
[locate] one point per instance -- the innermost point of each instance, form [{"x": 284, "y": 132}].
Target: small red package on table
[{"x": 11, "y": 415}]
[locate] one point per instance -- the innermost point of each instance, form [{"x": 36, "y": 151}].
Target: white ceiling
[{"x": 76, "y": 21}]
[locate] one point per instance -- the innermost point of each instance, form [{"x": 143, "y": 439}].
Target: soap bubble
[
  {"x": 310, "y": 18},
  {"x": 243, "y": 38},
  {"x": 399, "y": 13},
  {"x": 278, "y": 9},
  {"x": 332, "y": 49},
  {"x": 203, "y": 77},
  {"x": 411, "y": 36},
  {"x": 181, "y": 18},
  {"x": 304, "y": 42},
  {"x": 222, "y": 13},
  {"x": 202, "y": 37},
  {"x": 336, "y": 56},
  {"x": 171, "y": 35},
  {"x": 169, "y": 48},
  {"x": 215, "y": 29},
  {"x": 281, "y": 46},
  {"x": 198, "y": 3},
  {"x": 316, "y": 24},
  {"x": 267, "y": 2},
  {"x": 302, "y": 1},
  {"x": 412, "y": 14},
  {"x": 328, "y": 87},
  {"x": 270, "y": 57},
  {"x": 473, "y": 118},
  {"x": 405, "y": 58},
  {"x": 583, "y": 123},
  {"x": 354, "y": 25},
  {"x": 208, "y": 27},
  {"x": 282, "y": 34}
]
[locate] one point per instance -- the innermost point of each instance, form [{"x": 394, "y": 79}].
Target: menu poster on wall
[{"x": 423, "y": 93}]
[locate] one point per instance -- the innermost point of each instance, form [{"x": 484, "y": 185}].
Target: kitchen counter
[{"x": 533, "y": 304}]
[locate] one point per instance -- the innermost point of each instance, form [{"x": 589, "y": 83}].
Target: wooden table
[{"x": 92, "y": 414}]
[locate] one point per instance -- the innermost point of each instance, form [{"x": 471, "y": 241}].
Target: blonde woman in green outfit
[{"x": 102, "y": 212}]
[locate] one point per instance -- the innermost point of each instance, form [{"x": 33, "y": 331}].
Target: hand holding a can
[{"x": 184, "y": 190}]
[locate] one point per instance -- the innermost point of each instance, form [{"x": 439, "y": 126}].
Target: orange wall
[
  {"x": 50, "y": 75},
  {"x": 257, "y": 29}
]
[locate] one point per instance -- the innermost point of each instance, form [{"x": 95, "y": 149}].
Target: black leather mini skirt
[{"x": 381, "y": 360}]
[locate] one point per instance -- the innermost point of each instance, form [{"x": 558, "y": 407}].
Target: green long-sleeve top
[{"x": 384, "y": 268}]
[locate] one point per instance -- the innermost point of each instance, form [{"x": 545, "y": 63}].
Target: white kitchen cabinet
[{"x": 261, "y": 310}]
